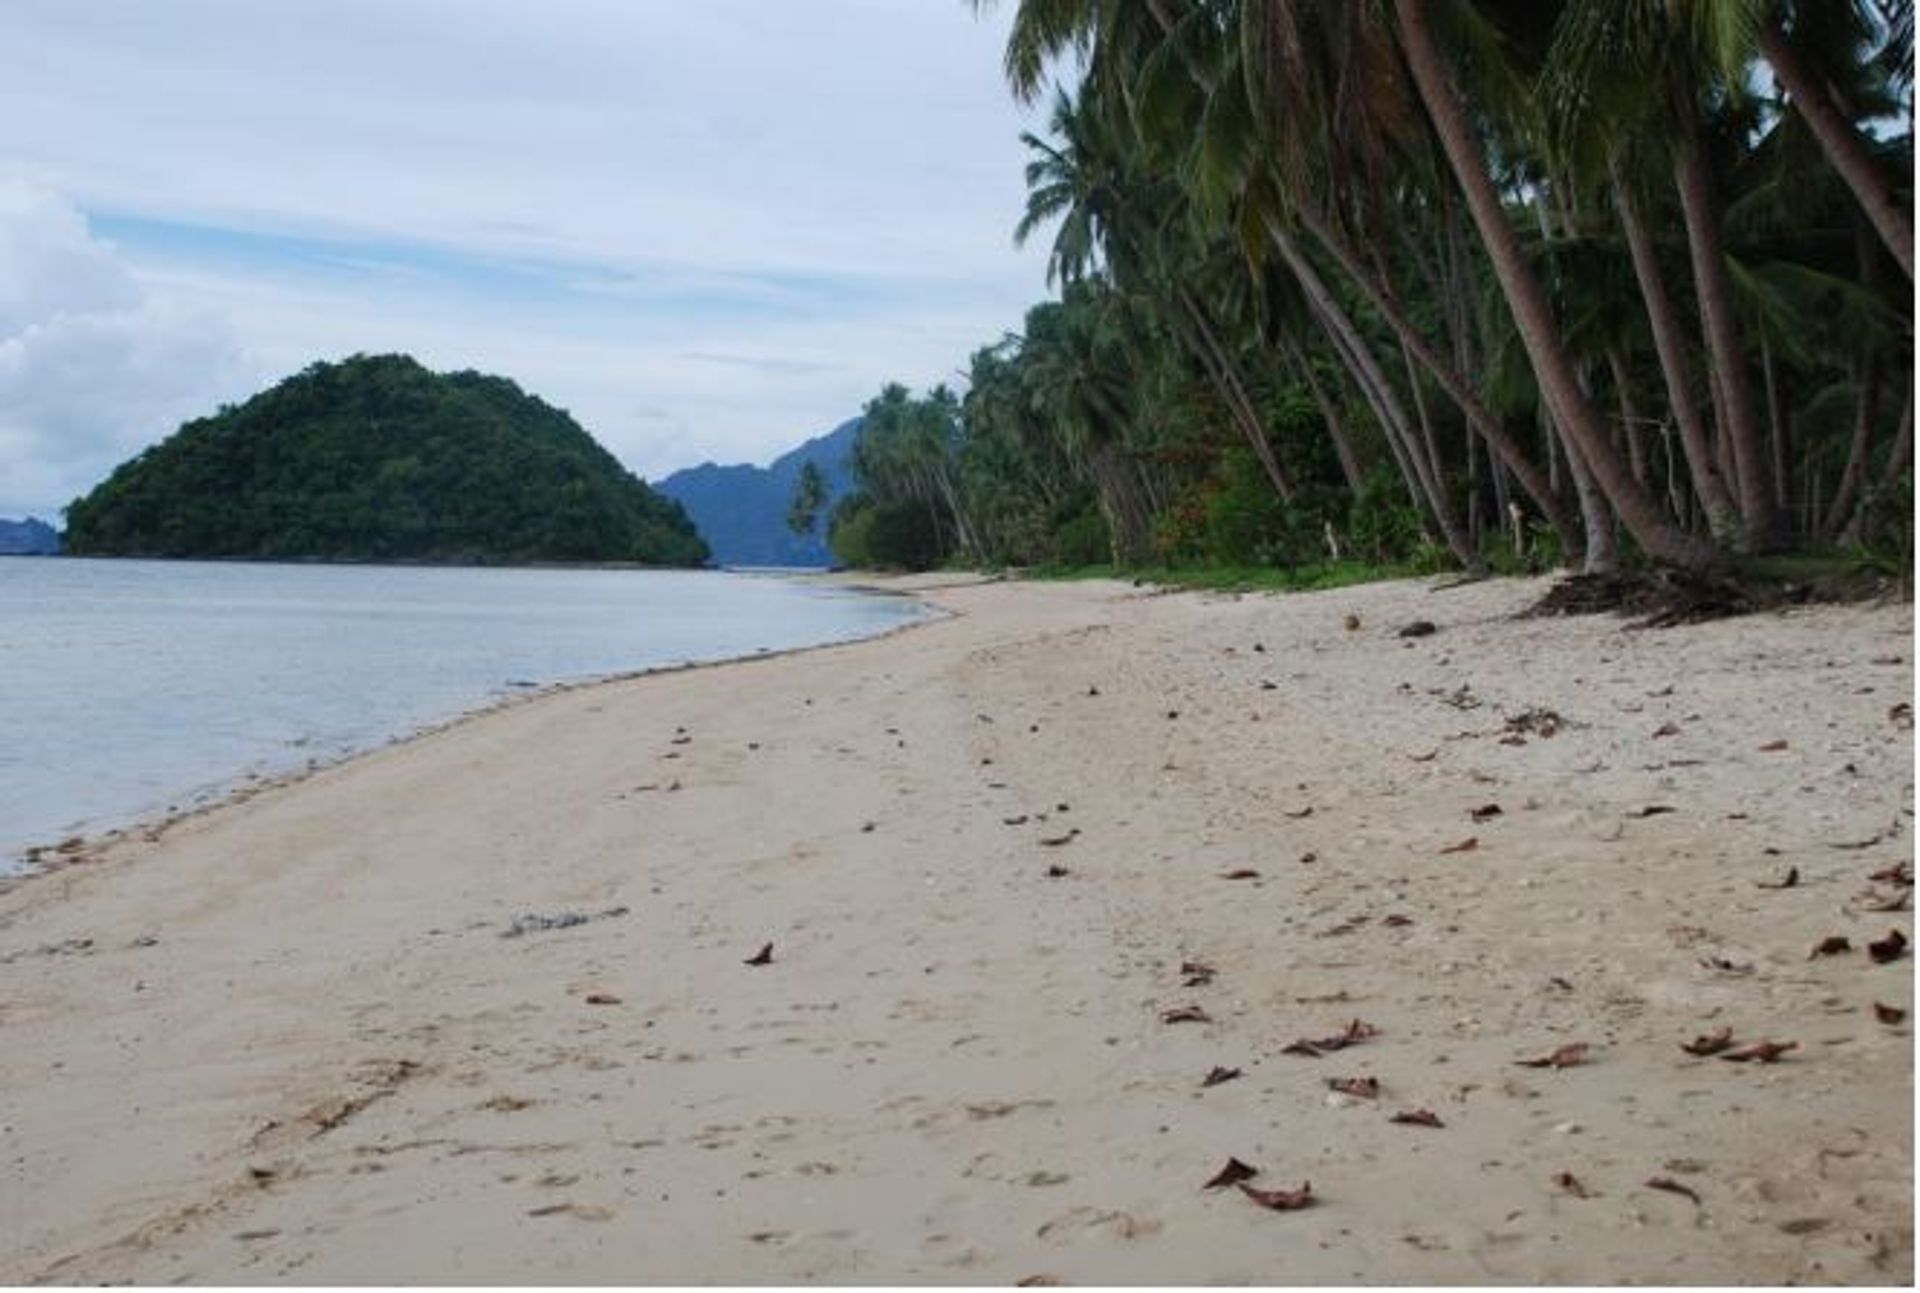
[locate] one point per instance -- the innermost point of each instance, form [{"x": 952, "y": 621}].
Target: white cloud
[
  {"x": 747, "y": 214},
  {"x": 92, "y": 366}
]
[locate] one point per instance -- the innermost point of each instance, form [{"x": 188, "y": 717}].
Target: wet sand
[{"x": 298, "y": 1040}]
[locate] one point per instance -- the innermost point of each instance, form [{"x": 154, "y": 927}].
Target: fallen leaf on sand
[
  {"x": 1418, "y": 1118},
  {"x": 583, "y": 1211},
  {"x": 1889, "y": 1015},
  {"x": 1197, "y": 974},
  {"x": 1241, "y": 873},
  {"x": 762, "y": 957},
  {"x": 1281, "y": 1200},
  {"x": 1055, "y": 841},
  {"x": 1831, "y": 945},
  {"x": 1057, "y": 872},
  {"x": 1568, "y": 1183},
  {"x": 1302, "y": 813},
  {"x": 1185, "y": 1015},
  {"x": 1484, "y": 812},
  {"x": 1418, "y": 629},
  {"x": 1788, "y": 881},
  {"x": 1021, "y": 820},
  {"x": 1709, "y": 1043},
  {"x": 1218, "y": 1074},
  {"x": 1887, "y": 949},
  {"x": 1672, "y": 1186},
  {"x": 1232, "y": 1174},
  {"x": 1873, "y": 900},
  {"x": 1898, "y": 873},
  {"x": 602, "y": 999},
  {"x": 1653, "y": 810},
  {"x": 1560, "y": 1057},
  {"x": 1466, "y": 845},
  {"x": 1773, "y": 747},
  {"x": 1309, "y": 858},
  {"x": 1428, "y": 757},
  {"x": 1667, "y": 729},
  {"x": 1365, "y": 1088},
  {"x": 1397, "y": 921},
  {"x": 1352, "y": 622},
  {"x": 1358, "y": 1031},
  {"x": 1901, "y": 715},
  {"x": 1760, "y": 1052}
]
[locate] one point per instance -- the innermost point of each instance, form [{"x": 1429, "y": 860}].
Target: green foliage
[
  {"x": 884, "y": 536},
  {"x": 1084, "y": 540},
  {"x": 809, "y": 496},
  {"x": 376, "y": 458}
]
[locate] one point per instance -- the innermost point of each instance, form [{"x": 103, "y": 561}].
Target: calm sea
[{"x": 128, "y": 687}]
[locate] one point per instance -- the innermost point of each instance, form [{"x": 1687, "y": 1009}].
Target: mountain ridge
[{"x": 741, "y": 509}]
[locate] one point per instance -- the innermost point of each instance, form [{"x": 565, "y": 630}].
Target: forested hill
[
  {"x": 377, "y": 458},
  {"x": 742, "y": 510}
]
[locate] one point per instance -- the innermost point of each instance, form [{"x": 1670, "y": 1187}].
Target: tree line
[{"x": 1435, "y": 283}]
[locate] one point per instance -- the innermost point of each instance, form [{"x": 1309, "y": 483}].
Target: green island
[{"x": 376, "y": 458}]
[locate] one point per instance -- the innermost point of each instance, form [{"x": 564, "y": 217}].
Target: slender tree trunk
[
  {"x": 1658, "y": 537},
  {"x": 1336, "y": 425},
  {"x": 1601, "y": 553},
  {"x": 1630, "y": 420},
  {"x": 1341, "y": 328},
  {"x": 1120, "y": 501},
  {"x": 1226, "y": 377},
  {"x": 1899, "y": 459},
  {"x": 1777, "y": 419},
  {"x": 1741, "y": 425},
  {"x": 1490, "y": 428},
  {"x": 1866, "y": 413},
  {"x": 1669, "y": 345},
  {"x": 1841, "y": 143}
]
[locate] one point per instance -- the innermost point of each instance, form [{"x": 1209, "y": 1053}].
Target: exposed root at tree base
[{"x": 1665, "y": 598}]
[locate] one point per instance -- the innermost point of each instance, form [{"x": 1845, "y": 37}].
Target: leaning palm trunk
[
  {"x": 1899, "y": 460},
  {"x": 1841, "y": 144},
  {"x": 1336, "y": 426},
  {"x": 1740, "y": 427},
  {"x": 1226, "y": 378},
  {"x": 1866, "y": 413},
  {"x": 1367, "y": 370},
  {"x": 1659, "y": 537},
  {"x": 1478, "y": 416},
  {"x": 1669, "y": 345}
]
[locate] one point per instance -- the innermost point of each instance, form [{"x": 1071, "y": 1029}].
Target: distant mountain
[
  {"x": 741, "y": 511},
  {"x": 28, "y": 538},
  {"x": 376, "y": 458}
]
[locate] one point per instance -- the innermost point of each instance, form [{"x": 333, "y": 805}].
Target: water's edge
[{"x": 91, "y": 839}]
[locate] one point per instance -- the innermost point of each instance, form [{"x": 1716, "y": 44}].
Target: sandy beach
[{"x": 1032, "y": 873}]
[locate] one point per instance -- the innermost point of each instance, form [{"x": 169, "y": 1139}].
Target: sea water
[{"x": 129, "y": 688}]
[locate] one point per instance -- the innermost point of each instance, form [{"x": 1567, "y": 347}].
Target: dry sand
[{"x": 287, "y": 1041}]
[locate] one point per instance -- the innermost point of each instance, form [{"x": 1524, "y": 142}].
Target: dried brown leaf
[
  {"x": 1899, "y": 873},
  {"x": 1484, "y": 812},
  {"x": 1280, "y": 1200},
  {"x": 1568, "y": 1183},
  {"x": 1831, "y": 945},
  {"x": 762, "y": 957},
  {"x": 1888, "y": 949},
  {"x": 1232, "y": 1174},
  {"x": 1397, "y": 921},
  {"x": 1364, "y": 1088},
  {"x": 1560, "y": 1057},
  {"x": 1418, "y": 1118},
  {"x": 1666, "y": 729},
  {"x": 1185, "y": 1015},
  {"x": 1760, "y": 1052},
  {"x": 1889, "y": 1015},
  {"x": 1653, "y": 810},
  {"x": 1055, "y": 841},
  {"x": 1467, "y": 845},
  {"x": 1297, "y": 816},
  {"x": 1240, "y": 873},
  {"x": 1672, "y": 1186},
  {"x": 1774, "y": 747},
  {"x": 1218, "y": 1074},
  {"x": 1709, "y": 1043},
  {"x": 602, "y": 999},
  {"x": 1787, "y": 881}
]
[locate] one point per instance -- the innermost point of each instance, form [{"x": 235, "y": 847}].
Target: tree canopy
[{"x": 377, "y": 458}]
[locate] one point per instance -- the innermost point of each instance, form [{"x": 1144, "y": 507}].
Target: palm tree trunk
[
  {"x": 1226, "y": 377},
  {"x": 1841, "y": 143},
  {"x": 1601, "y": 555},
  {"x": 1670, "y": 347},
  {"x": 1630, "y": 420},
  {"x": 1899, "y": 459},
  {"x": 1345, "y": 334},
  {"x": 1741, "y": 424},
  {"x": 1866, "y": 413},
  {"x": 1336, "y": 425},
  {"x": 1658, "y": 537},
  {"x": 1478, "y": 416}
]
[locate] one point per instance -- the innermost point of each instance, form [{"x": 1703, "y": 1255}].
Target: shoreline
[
  {"x": 314, "y": 1037},
  {"x": 87, "y": 841}
]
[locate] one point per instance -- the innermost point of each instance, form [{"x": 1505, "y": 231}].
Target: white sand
[{"x": 330, "y": 1067}]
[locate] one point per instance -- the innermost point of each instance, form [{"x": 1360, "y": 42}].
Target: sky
[{"x": 709, "y": 229}]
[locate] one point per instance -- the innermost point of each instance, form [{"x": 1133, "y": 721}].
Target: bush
[
  {"x": 885, "y": 536},
  {"x": 1084, "y": 540}
]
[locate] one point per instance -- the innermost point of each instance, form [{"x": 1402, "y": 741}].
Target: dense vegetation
[
  {"x": 376, "y": 458},
  {"x": 1439, "y": 283}
]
